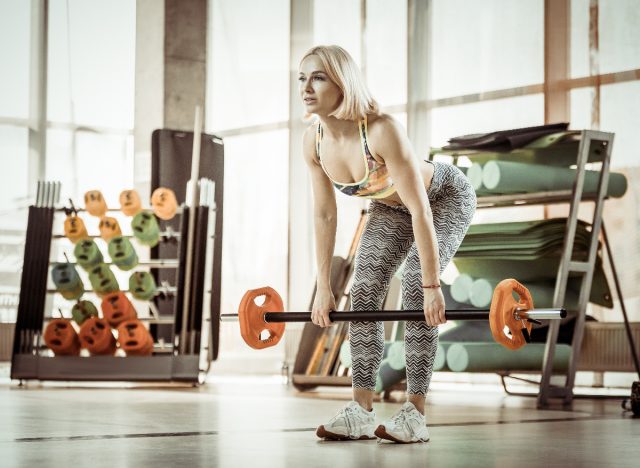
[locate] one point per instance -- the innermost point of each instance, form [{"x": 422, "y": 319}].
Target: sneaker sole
[
  {"x": 382, "y": 433},
  {"x": 324, "y": 434}
]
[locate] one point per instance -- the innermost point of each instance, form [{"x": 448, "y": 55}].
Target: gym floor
[{"x": 260, "y": 422}]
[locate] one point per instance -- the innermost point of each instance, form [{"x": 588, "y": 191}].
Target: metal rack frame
[
  {"x": 568, "y": 265},
  {"x": 588, "y": 138},
  {"x": 171, "y": 364}
]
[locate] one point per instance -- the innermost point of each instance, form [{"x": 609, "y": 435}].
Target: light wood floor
[{"x": 259, "y": 422}]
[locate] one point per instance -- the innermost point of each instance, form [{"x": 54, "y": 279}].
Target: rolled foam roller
[
  {"x": 461, "y": 287},
  {"x": 490, "y": 357},
  {"x": 512, "y": 177}
]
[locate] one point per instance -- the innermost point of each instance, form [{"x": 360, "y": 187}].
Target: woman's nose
[{"x": 307, "y": 85}]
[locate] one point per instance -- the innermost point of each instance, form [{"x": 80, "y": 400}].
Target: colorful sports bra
[{"x": 377, "y": 182}]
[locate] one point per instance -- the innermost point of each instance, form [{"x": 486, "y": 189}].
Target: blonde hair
[{"x": 345, "y": 73}]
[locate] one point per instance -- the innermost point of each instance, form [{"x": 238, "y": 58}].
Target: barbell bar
[{"x": 510, "y": 319}]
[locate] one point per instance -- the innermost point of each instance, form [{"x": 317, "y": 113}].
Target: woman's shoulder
[
  {"x": 381, "y": 125},
  {"x": 309, "y": 141}
]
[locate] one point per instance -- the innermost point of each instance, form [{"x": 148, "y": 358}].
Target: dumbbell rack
[{"x": 192, "y": 318}]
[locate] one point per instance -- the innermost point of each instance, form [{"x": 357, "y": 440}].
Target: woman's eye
[
  {"x": 301, "y": 78},
  {"x": 318, "y": 78}
]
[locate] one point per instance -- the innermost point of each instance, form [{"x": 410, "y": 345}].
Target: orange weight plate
[
  {"x": 94, "y": 203},
  {"x": 74, "y": 228},
  {"x": 251, "y": 317},
  {"x": 109, "y": 228},
  {"x": 95, "y": 335},
  {"x": 501, "y": 316},
  {"x": 61, "y": 338},
  {"x": 116, "y": 308},
  {"x": 130, "y": 202},
  {"x": 134, "y": 338},
  {"x": 164, "y": 203}
]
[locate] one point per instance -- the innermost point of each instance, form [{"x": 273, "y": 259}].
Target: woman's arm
[
  {"x": 325, "y": 221},
  {"x": 390, "y": 142}
]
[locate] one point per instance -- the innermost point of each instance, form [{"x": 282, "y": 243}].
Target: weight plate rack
[{"x": 188, "y": 350}]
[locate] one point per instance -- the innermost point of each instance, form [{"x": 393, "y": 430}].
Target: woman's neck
[{"x": 337, "y": 128}]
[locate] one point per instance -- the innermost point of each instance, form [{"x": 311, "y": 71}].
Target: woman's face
[{"x": 319, "y": 94}]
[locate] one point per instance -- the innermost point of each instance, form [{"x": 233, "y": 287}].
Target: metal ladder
[{"x": 568, "y": 265}]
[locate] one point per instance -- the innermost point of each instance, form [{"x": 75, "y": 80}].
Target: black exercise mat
[{"x": 504, "y": 140}]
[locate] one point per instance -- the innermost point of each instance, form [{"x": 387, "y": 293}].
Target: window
[
  {"x": 386, "y": 51},
  {"x": 248, "y": 86},
  {"x": 618, "y": 35},
  {"x": 248, "y": 63},
  {"x": 487, "y": 45}
]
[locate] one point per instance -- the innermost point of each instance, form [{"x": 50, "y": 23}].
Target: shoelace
[
  {"x": 347, "y": 413},
  {"x": 401, "y": 417}
]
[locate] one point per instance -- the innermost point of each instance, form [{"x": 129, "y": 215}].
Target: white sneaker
[
  {"x": 352, "y": 422},
  {"x": 405, "y": 427}
]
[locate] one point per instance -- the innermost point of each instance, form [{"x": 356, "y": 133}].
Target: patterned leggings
[{"x": 386, "y": 241}]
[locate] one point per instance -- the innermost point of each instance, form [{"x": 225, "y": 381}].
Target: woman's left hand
[{"x": 434, "y": 307}]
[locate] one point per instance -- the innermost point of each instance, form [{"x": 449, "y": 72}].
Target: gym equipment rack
[{"x": 188, "y": 319}]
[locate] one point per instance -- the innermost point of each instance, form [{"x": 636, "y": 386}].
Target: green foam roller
[
  {"x": 491, "y": 357},
  {"x": 142, "y": 285},
  {"x": 481, "y": 292},
  {"x": 460, "y": 288},
  {"x": 87, "y": 254},
  {"x": 474, "y": 174},
  {"x": 67, "y": 281},
  {"x": 345, "y": 354},
  {"x": 83, "y": 310},
  {"x": 542, "y": 294},
  {"x": 388, "y": 376},
  {"x": 122, "y": 253},
  {"x": 396, "y": 355},
  {"x": 466, "y": 331},
  {"x": 441, "y": 357},
  {"x": 103, "y": 280},
  {"x": 145, "y": 228},
  {"x": 512, "y": 177}
]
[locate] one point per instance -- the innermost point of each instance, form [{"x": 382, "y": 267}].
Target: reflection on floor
[{"x": 260, "y": 422}]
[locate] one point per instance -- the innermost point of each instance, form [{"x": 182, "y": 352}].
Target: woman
[{"x": 420, "y": 211}]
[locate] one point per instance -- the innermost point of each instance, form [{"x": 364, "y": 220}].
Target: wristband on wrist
[{"x": 430, "y": 286}]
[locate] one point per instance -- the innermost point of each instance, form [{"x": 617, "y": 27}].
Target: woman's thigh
[{"x": 386, "y": 239}]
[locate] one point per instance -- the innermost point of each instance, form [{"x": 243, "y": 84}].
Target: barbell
[{"x": 510, "y": 319}]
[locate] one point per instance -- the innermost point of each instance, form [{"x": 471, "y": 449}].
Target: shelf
[
  {"x": 114, "y": 210},
  {"x": 151, "y": 320},
  {"x": 536, "y": 198},
  {"x": 171, "y": 263},
  {"x": 167, "y": 234},
  {"x": 108, "y": 368},
  {"x": 318, "y": 380},
  {"x": 160, "y": 290}
]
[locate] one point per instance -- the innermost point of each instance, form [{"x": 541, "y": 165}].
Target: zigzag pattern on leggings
[{"x": 386, "y": 241}]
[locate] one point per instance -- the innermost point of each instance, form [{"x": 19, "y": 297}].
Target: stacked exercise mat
[{"x": 88, "y": 329}]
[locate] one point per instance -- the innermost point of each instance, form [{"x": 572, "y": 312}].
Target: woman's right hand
[{"x": 323, "y": 303}]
